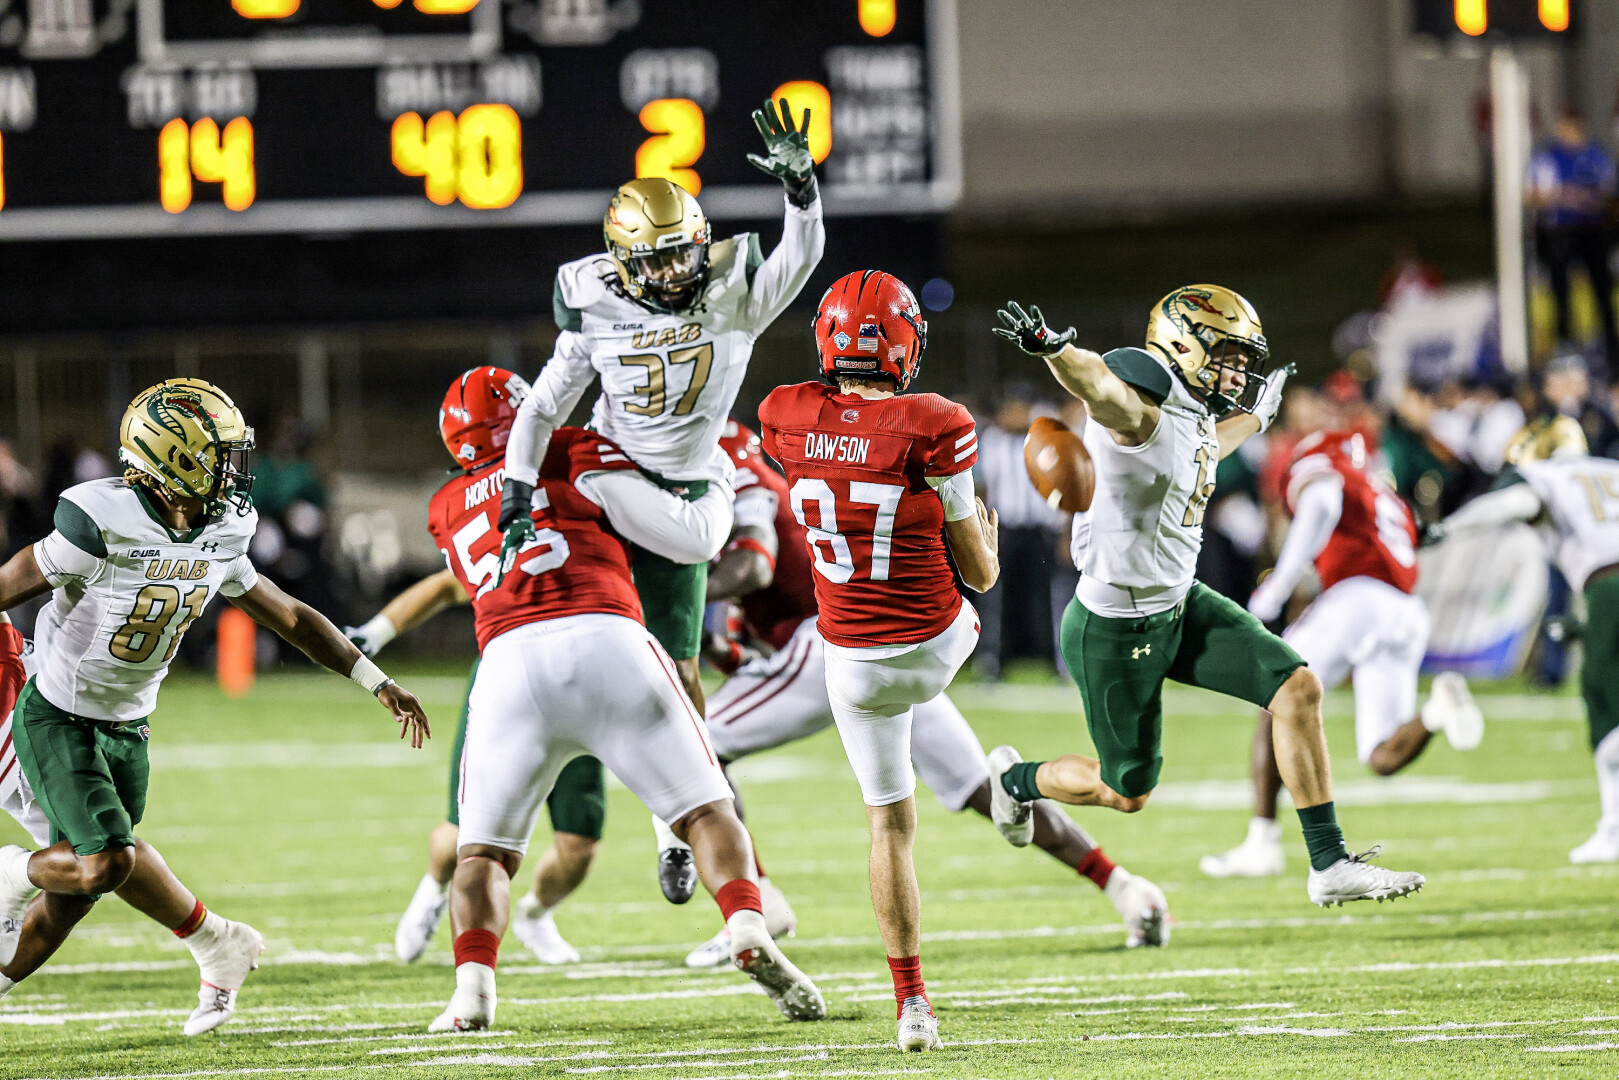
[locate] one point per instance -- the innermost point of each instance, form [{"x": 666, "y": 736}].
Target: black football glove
[
  {"x": 1029, "y": 332},
  {"x": 787, "y": 156},
  {"x": 516, "y": 521}
]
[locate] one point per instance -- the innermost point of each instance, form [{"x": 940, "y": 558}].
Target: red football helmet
[
  {"x": 739, "y": 440},
  {"x": 476, "y": 417},
  {"x": 869, "y": 323}
]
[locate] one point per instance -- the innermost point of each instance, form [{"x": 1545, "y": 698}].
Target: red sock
[
  {"x": 476, "y": 947},
  {"x": 194, "y": 920},
  {"x": 1097, "y": 867},
  {"x": 907, "y": 972},
  {"x": 738, "y": 895}
]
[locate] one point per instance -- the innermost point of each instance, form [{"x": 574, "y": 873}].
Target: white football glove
[
  {"x": 1269, "y": 402},
  {"x": 371, "y": 637}
]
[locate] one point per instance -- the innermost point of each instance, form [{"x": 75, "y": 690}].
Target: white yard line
[{"x": 1571, "y": 1048}]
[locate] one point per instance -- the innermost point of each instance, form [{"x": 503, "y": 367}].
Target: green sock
[
  {"x": 1321, "y": 834},
  {"x": 1019, "y": 781}
]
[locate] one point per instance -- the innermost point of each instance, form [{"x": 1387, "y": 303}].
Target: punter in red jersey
[
  {"x": 569, "y": 669},
  {"x": 880, "y": 484},
  {"x": 1367, "y": 623},
  {"x": 779, "y": 696}
]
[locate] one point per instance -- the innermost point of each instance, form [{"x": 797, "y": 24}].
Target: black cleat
[{"x": 677, "y": 874}]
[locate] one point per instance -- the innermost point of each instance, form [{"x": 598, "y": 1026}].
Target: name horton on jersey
[{"x": 184, "y": 117}]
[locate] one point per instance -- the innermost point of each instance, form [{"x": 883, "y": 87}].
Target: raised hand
[
  {"x": 787, "y": 155},
  {"x": 1269, "y": 402},
  {"x": 407, "y": 710},
  {"x": 1029, "y": 332}
]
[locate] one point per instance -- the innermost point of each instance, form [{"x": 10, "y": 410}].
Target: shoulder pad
[
  {"x": 579, "y": 284},
  {"x": 1142, "y": 370}
]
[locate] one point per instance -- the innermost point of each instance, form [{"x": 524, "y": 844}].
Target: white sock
[
  {"x": 1264, "y": 831},
  {"x": 748, "y": 930},
  {"x": 206, "y": 935},
  {"x": 475, "y": 980},
  {"x": 5, "y": 986},
  {"x": 1607, "y": 762},
  {"x": 15, "y": 871},
  {"x": 1116, "y": 881},
  {"x": 666, "y": 836}
]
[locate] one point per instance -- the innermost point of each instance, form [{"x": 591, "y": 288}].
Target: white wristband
[
  {"x": 367, "y": 674},
  {"x": 379, "y": 631}
]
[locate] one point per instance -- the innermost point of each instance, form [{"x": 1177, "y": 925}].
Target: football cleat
[
  {"x": 1259, "y": 855},
  {"x": 1603, "y": 847},
  {"x": 918, "y": 1029},
  {"x": 780, "y": 919},
  {"x": 421, "y": 918},
  {"x": 1354, "y": 878},
  {"x": 15, "y": 893},
  {"x": 757, "y": 957},
  {"x": 1015, "y": 819},
  {"x": 1450, "y": 708},
  {"x": 536, "y": 929},
  {"x": 713, "y": 952},
  {"x": 677, "y": 874},
  {"x": 1142, "y": 906},
  {"x": 226, "y": 958},
  {"x": 472, "y": 1006}
]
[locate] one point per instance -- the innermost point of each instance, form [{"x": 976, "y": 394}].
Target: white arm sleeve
[
  {"x": 957, "y": 494},
  {"x": 1516, "y": 503},
  {"x": 783, "y": 273},
  {"x": 756, "y": 508},
  {"x": 552, "y": 397},
  {"x": 662, "y": 522},
  {"x": 60, "y": 560},
  {"x": 1316, "y": 511}
]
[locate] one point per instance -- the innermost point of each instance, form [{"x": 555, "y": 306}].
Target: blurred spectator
[
  {"x": 1475, "y": 420},
  {"x": 1571, "y": 180},
  {"x": 1408, "y": 278},
  {"x": 290, "y": 496},
  {"x": 69, "y": 462},
  {"x": 1016, "y": 614},
  {"x": 1567, "y": 391},
  {"x": 18, "y": 512}
]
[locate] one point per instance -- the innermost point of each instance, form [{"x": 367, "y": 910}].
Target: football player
[
  {"x": 667, "y": 318},
  {"x": 1368, "y": 622},
  {"x": 1573, "y": 501},
  {"x": 781, "y": 696},
  {"x": 1163, "y": 417},
  {"x": 132, "y": 562},
  {"x": 569, "y": 669},
  {"x": 881, "y": 482}
]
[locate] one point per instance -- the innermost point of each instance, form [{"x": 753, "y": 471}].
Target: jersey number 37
[{"x": 825, "y": 537}]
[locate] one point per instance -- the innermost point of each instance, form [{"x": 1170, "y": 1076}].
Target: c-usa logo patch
[{"x": 841, "y": 340}]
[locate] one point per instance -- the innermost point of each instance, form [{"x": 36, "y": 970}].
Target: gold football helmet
[
  {"x": 1205, "y": 331},
  {"x": 658, "y": 238},
  {"x": 1547, "y": 437},
  {"x": 188, "y": 438}
]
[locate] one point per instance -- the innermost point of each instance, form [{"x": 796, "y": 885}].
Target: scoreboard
[{"x": 138, "y": 118}]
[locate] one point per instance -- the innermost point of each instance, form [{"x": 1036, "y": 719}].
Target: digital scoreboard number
[{"x": 131, "y": 118}]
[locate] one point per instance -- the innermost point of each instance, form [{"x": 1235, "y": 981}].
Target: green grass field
[{"x": 296, "y": 811}]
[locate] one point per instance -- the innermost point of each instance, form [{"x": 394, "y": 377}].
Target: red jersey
[
  {"x": 1376, "y": 536},
  {"x": 774, "y": 612},
  {"x": 12, "y": 678},
  {"x": 857, "y": 470},
  {"x": 575, "y": 564}
]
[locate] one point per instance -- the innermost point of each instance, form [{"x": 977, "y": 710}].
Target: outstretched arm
[
  {"x": 407, "y": 611},
  {"x": 971, "y": 531},
  {"x": 315, "y": 636},
  {"x": 1111, "y": 401},
  {"x": 660, "y": 521},
  {"x": 21, "y": 579},
  {"x": 778, "y": 279},
  {"x": 562, "y": 382},
  {"x": 1317, "y": 509}
]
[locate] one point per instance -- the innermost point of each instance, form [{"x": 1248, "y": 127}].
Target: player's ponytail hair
[{"x": 134, "y": 477}]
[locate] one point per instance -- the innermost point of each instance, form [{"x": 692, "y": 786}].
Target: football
[{"x": 1059, "y": 466}]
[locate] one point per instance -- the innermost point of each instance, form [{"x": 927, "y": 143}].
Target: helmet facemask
[
  {"x": 671, "y": 277},
  {"x": 1228, "y": 355}
]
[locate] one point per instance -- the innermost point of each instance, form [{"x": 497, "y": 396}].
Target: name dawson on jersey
[{"x": 848, "y": 448}]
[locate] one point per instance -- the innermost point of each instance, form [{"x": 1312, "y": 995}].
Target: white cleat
[
  {"x": 1353, "y": 878},
  {"x": 714, "y": 952},
  {"x": 1259, "y": 855},
  {"x": 1603, "y": 847},
  {"x": 1450, "y": 708},
  {"x": 1142, "y": 906},
  {"x": 1015, "y": 819},
  {"x": 536, "y": 929},
  {"x": 15, "y": 893},
  {"x": 472, "y": 1006},
  {"x": 790, "y": 989},
  {"x": 225, "y": 961},
  {"x": 918, "y": 1030},
  {"x": 421, "y": 918}
]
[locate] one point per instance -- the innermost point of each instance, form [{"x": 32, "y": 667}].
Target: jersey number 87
[{"x": 824, "y": 537}]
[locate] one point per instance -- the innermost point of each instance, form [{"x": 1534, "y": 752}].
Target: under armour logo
[
  {"x": 209, "y": 545},
  {"x": 1137, "y": 654}
]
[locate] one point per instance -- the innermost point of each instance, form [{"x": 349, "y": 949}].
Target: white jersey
[
  {"x": 1581, "y": 524},
  {"x": 668, "y": 382},
  {"x": 1138, "y": 548},
  {"x": 126, "y": 589}
]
